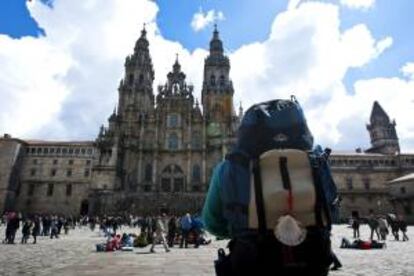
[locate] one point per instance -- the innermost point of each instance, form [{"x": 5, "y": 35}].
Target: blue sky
[
  {"x": 248, "y": 21},
  {"x": 361, "y": 62}
]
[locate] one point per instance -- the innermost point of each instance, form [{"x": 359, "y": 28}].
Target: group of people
[
  {"x": 162, "y": 229},
  {"x": 36, "y": 225},
  {"x": 381, "y": 226}
]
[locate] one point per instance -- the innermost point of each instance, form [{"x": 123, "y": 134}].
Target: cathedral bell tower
[
  {"x": 382, "y": 132},
  {"x": 136, "y": 95},
  {"x": 217, "y": 92}
]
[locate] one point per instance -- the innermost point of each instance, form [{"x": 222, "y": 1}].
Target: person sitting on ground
[
  {"x": 360, "y": 244},
  {"x": 141, "y": 240}
]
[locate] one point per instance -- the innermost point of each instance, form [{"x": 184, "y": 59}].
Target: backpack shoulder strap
[
  {"x": 239, "y": 158},
  {"x": 322, "y": 207},
  {"x": 253, "y": 165},
  {"x": 258, "y": 191}
]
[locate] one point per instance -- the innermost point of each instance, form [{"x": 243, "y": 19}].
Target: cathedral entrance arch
[
  {"x": 84, "y": 208},
  {"x": 172, "y": 179}
]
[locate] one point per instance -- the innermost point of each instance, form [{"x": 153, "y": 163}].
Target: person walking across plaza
[
  {"x": 186, "y": 223},
  {"x": 402, "y": 224},
  {"x": 159, "y": 233},
  {"x": 27, "y": 226},
  {"x": 172, "y": 230},
  {"x": 373, "y": 226}
]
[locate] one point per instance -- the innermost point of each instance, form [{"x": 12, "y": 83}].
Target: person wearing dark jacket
[
  {"x": 355, "y": 226},
  {"x": 12, "y": 226},
  {"x": 402, "y": 225},
  {"x": 373, "y": 225},
  {"x": 36, "y": 228},
  {"x": 26, "y": 230},
  {"x": 172, "y": 230}
]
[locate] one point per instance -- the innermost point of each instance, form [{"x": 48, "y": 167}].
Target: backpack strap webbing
[
  {"x": 286, "y": 180},
  {"x": 321, "y": 206},
  {"x": 258, "y": 191}
]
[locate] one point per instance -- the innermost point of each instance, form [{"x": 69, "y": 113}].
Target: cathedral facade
[{"x": 158, "y": 150}]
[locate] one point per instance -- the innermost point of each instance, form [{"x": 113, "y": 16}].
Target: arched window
[
  {"x": 131, "y": 79},
  {"x": 173, "y": 120},
  {"x": 196, "y": 173},
  {"x": 196, "y": 140},
  {"x": 173, "y": 141},
  {"x": 172, "y": 179},
  {"x": 222, "y": 80},
  {"x": 213, "y": 80},
  {"x": 148, "y": 172},
  {"x": 141, "y": 79}
]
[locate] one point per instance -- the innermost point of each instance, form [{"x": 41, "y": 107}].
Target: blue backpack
[{"x": 274, "y": 136}]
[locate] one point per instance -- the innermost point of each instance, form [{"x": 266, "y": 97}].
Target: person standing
[
  {"x": 355, "y": 226},
  {"x": 159, "y": 233},
  {"x": 186, "y": 224},
  {"x": 383, "y": 228},
  {"x": 36, "y": 229},
  {"x": 402, "y": 224},
  {"x": 14, "y": 224},
  {"x": 172, "y": 230},
  {"x": 373, "y": 225},
  {"x": 54, "y": 228},
  {"x": 26, "y": 230}
]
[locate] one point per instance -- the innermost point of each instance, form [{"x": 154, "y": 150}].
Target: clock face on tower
[{"x": 213, "y": 129}]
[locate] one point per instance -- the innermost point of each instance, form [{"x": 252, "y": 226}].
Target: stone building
[
  {"x": 158, "y": 150},
  {"x": 362, "y": 176},
  {"x": 401, "y": 191}
]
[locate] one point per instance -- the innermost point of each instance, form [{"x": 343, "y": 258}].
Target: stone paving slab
[{"x": 75, "y": 255}]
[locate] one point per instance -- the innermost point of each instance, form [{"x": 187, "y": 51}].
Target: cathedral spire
[
  {"x": 240, "y": 110},
  {"x": 378, "y": 114},
  {"x": 382, "y": 131},
  {"x": 216, "y": 45},
  {"x": 142, "y": 42},
  {"x": 176, "y": 66}
]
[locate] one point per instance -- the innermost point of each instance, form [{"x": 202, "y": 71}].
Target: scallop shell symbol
[{"x": 289, "y": 232}]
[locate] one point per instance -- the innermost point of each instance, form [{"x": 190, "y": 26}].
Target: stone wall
[
  {"x": 362, "y": 180},
  {"x": 10, "y": 161},
  {"x": 55, "y": 177}
]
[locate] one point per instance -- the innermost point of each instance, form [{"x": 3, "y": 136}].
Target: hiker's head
[{"x": 274, "y": 124}]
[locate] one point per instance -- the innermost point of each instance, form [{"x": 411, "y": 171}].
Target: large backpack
[{"x": 291, "y": 196}]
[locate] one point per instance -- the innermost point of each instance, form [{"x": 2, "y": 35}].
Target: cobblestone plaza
[{"x": 75, "y": 255}]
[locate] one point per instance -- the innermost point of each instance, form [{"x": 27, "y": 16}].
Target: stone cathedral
[
  {"x": 158, "y": 150},
  {"x": 156, "y": 153}
]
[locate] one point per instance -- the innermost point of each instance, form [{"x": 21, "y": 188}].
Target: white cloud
[
  {"x": 201, "y": 20},
  {"x": 408, "y": 70},
  {"x": 64, "y": 85},
  {"x": 358, "y": 4},
  {"x": 308, "y": 55}
]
